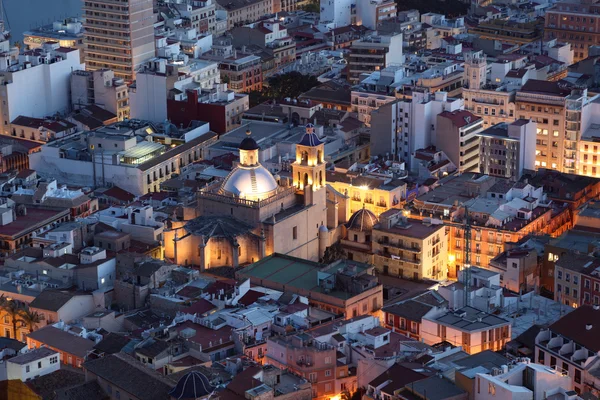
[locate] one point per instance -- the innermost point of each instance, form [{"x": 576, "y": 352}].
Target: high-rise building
[
  {"x": 119, "y": 35},
  {"x": 562, "y": 115},
  {"x": 575, "y": 22},
  {"x": 374, "y": 53}
]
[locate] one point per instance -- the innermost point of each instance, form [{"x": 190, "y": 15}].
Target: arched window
[
  {"x": 321, "y": 178},
  {"x": 305, "y": 180},
  {"x": 304, "y": 156},
  {"x": 319, "y": 159},
  {"x": 298, "y": 179}
]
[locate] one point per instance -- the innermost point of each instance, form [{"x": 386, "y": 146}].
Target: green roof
[{"x": 297, "y": 272}]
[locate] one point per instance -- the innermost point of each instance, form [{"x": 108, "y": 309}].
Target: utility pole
[{"x": 467, "y": 257}]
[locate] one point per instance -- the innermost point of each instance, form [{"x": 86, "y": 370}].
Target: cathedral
[{"x": 251, "y": 213}]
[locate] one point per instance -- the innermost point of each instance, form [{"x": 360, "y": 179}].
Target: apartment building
[
  {"x": 406, "y": 317},
  {"x": 457, "y": 135},
  {"x": 159, "y": 76},
  {"x": 468, "y": 327},
  {"x": 574, "y": 22},
  {"x": 373, "y": 53},
  {"x": 111, "y": 155},
  {"x": 561, "y": 115},
  {"x": 401, "y": 127},
  {"x": 41, "y": 130},
  {"x": 374, "y": 91},
  {"x": 315, "y": 361},
  {"x": 67, "y": 32},
  {"x": 269, "y": 35},
  {"x": 410, "y": 248},
  {"x": 201, "y": 14},
  {"x": 523, "y": 379},
  {"x": 372, "y": 13},
  {"x": 509, "y": 31},
  {"x": 119, "y": 35},
  {"x": 72, "y": 348},
  {"x": 440, "y": 28},
  {"x": 486, "y": 196},
  {"x": 507, "y": 150},
  {"x": 571, "y": 347},
  {"x": 242, "y": 74},
  {"x": 242, "y": 12},
  {"x": 101, "y": 88},
  {"x": 518, "y": 269},
  {"x": 220, "y": 107},
  {"x": 590, "y": 280},
  {"x": 37, "y": 84}
]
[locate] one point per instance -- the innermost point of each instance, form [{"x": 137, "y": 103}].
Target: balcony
[{"x": 414, "y": 260}]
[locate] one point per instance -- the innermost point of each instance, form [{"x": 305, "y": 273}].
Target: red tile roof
[{"x": 460, "y": 118}]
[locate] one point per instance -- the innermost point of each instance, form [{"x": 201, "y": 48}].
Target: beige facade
[
  {"x": 457, "y": 135},
  {"x": 240, "y": 12},
  {"x": 256, "y": 215},
  {"x": 101, "y": 88},
  {"x": 119, "y": 35},
  {"x": 410, "y": 248}
]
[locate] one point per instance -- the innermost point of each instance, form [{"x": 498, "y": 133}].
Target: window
[
  {"x": 295, "y": 233},
  {"x": 559, "y": 275},
  {"x": 540, "y": 356},
  {"x": 39, "y": 365},
  {"x": 596, "y": 287},
  {"x": 27, "y": 368},
  {"x": 327, "y": 372},
  {"x": 327, "y": 360},
  {"x": 577, "y": 376},
  {"x": 53, "y": 360}
]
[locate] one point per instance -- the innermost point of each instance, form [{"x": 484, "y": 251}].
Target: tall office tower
[{"x": 119, "y": 35}]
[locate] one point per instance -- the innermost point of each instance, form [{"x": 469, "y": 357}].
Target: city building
[
  {"x": 242, "y": 74},
  {"x": 116, "y": 157},
  {"x": 68, "y": 33},
  {"x": 34, "y": 363},
  {"x": 375, "y": 91},
  {"x": 201, "y": 14},
  {"x": 410, "y": 248},
  {"x": 259, "y": 214},
  {"x": 521, "y": 380},
  {"x": 221, "y": 107},
  {"x": 406, "y": 317},
  {"x": 561, "y": 115},
  {"x": 457, "y": 136},
  {"x": 518, "y": 269},
  {"x": 468, "y": 327},
  {"x": 507, "y": 150},
  {"x": 41, "y": 130},
  {"x": 242, "y": 12},
  {"x": 118, "y": 36},
  {"x": 101, "y": 88},
  {"x": 72, "y": 348},
  {"x": 373, "y": 53},
  {"x": 344, "y": 287},
  {"x": 573, "y": 22},
  {"x": 372, "y": 13},
  {"x": 162, "y": 77},
  {"x": 38, "y": 83},
  {"x": 569, "y": 346},
  {"x": 271, "y": 36},
  {"x": 402, "y": 127}
]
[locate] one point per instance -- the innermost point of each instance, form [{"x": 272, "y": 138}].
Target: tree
[
  {"x": 12, "y": 308},
  {"x": 312, "y": 6},
  {"x": 30, "y": 318},
  {"x": 333, "y": 253}
]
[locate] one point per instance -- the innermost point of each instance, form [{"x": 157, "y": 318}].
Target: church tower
[
  {"x": 309, "y": 168},
  {"x": 475, "y": 73}
]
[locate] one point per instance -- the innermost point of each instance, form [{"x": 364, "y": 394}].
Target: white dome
[{"x": 252, "y": 183}]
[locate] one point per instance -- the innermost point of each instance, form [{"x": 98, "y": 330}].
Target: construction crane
[{"x": 467, "y": 257}]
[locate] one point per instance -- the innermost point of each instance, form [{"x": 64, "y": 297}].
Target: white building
[
  {"x": 337, "y": 13},
  {"x": 404, "y": 126},
  {"x": 524, "y": 381},
  {"x": 468, "y": 327},
  {"x": 39, "y": 84},
  {"x": 172, "y": 70},
  {"x": 33, "y": 364},
  {"x": 116, "y": 155},
  {"x": 484, "y": 291}
]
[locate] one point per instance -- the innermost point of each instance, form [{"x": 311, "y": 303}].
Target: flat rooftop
[
  {"x": 35, "y": 217},
  {"x": 296, "y": 272}
]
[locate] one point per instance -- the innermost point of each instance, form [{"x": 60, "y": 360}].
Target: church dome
[
  {"x": 252, "y": 183},
  {"x": 310, "y": 138},
  {"x": 193, "y": 385},
  {"x": 248, "y": 143},
  {"x": 362, "y": 220}
]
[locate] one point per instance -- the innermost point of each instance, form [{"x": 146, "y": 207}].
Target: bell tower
[{"x": 309, "y": 167}]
